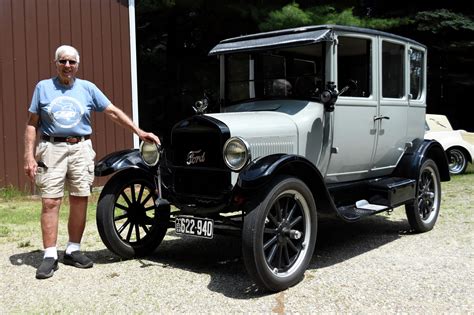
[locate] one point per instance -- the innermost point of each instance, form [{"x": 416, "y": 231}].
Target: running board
[
  {"x": 381, "y": 195},
  {"x": 361, "y": 209},
  {"x": 392, "y": 192},
  {"x": 365, "y": 205}
]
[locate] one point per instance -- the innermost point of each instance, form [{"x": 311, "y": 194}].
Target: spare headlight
[
  {"x": 236, "y": 153},
  {"x": 150, "y": 153}
]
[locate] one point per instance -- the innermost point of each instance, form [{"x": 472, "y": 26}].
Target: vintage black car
[{"x": 286, "y": 150}]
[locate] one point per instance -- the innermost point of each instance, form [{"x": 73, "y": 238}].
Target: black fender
[
  {"x": 120, "y": 160},
  {"x": 259, "y": 173},
  {"x": 410, "y": 164}
]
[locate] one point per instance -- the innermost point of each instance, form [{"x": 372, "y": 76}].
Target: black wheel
[
  {"x": 457, "y": 161},
  {"x": 279, "y": 235},
  {"x": 423, "y": 212},
  {"x": 128, "y": 220}
]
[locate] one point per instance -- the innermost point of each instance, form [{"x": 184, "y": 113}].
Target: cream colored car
[{"x": 458, "y": 144}]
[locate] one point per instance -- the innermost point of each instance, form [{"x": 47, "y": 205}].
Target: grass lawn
[{"x": 20, "y": 217}]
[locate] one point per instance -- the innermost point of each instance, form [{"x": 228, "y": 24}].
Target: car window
[
  {"x": 354, "y": 63},
  {"x": 416, "y": 73},
  {"x": 237, "y": 68},
  {"x": 393, "y": 78},
  {"x": 295, "y": 72}
]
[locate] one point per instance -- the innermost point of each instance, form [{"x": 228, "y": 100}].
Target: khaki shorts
[{"x": 67, "y": 165}]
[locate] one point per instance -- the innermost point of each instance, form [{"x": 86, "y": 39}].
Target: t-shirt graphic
[{"x": 66, "y": 111}]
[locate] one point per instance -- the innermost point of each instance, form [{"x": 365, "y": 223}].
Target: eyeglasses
[{"x": 65, "y": 61}]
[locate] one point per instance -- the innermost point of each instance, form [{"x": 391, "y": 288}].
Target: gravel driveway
[{"x": 372, "y": 266}]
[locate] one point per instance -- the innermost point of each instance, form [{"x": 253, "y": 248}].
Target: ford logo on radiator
[{"x": 195, "y": 157}]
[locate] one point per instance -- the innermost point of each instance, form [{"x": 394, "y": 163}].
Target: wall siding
[{"x": 31, "y": 30}]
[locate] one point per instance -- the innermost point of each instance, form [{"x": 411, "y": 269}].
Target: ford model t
[{"x": 314, "y": 123}]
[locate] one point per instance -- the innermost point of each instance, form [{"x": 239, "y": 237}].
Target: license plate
[{"x": 193, "y": 226}]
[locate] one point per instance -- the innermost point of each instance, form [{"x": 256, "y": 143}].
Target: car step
[
  {"x": 360, "y": 209},
  {"x": 382, "y": 195},
  {"x": 365, "y": 205},
  {"x": 392, "y": 192}
]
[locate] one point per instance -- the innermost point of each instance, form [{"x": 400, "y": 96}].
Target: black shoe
[
  {"x": 47, "y": 268},
  {"x": 77, "y": 259}
]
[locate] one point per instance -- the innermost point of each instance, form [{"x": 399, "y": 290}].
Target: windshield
[{"x": 295, "y": 72}]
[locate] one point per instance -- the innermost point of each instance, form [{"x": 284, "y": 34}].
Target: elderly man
[{"x": 60, "y": 112}]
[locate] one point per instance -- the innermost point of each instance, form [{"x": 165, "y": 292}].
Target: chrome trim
[
  {"x": 157, "y": 147},
  {"x": 248, "y": 154}
]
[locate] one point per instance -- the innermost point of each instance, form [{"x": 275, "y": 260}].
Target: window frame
[
  {"x": 372, "y": 71},
  {"x": 405, "y": 68},
  {"x": 423, "y": 90},
  {"x": 257, "y": 77}
]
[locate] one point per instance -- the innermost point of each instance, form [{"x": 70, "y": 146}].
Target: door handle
[{"x": 380, "y": 117}]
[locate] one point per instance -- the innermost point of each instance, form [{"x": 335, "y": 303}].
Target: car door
[
  {"x": 354, "y": 133},
  {"x": 391, "y": 119}
]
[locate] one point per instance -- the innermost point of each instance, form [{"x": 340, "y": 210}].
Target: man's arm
[
  {"x": 118, "y": 116},
  {"x": 30, "y": 166}
]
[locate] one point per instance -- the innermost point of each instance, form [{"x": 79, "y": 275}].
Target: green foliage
[
  {"x": 26, "y": 209},
  {"x": 287, "y": 17},
  {"x": 10, "y": 192},
  {"x": 4, "y": 231},
  {"x": 386, "y": 24},
  {"x": 20, "y": 211},
  {"x": 442, "y": 21},
  {"x": 24, "y": 244},
  {"x": 292, "y": 15}
]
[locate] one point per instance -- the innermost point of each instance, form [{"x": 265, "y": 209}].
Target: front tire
[
  {"x": 423, "y": 212},
  {"x": 129, "y": 222},
  {"x": 457, "y": 161},
  {"x": 279, "y": 235}
]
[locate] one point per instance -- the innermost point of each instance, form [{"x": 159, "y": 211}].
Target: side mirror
[{"x": 329, "y": 96}]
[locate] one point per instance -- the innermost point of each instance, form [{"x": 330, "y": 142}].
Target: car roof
[{"x": 294, "y": 37}]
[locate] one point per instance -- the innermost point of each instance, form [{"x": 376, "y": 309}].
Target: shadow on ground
[
  {"x": 221, "y": 257},
  {"x": 34, "y": 258}
]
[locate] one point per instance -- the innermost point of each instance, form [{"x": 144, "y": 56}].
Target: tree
[
  {"x": 292, "y": 15},
  {"x": 442, "y": 22}
]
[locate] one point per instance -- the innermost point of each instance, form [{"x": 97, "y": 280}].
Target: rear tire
[
  {"x": 423, "y": 212},
  {"x": 128, "y": 220},
  {"x": 457, "y": 161},
  {"x": 279, "y": 235}
]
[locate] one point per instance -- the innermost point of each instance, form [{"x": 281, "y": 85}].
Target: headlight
[
  {"x": 150, "y": 153},
  {"x": 236, "y": 153}
]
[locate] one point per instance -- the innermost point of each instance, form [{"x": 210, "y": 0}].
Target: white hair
[{"x": 66, "y": 49}]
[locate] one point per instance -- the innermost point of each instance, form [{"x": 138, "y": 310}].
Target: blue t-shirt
[{"x": 66, "y": 111}]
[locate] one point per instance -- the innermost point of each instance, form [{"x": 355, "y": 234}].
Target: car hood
[
  {"x": 257, "y": 124},
  {"x": 266, "y": 132}
]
